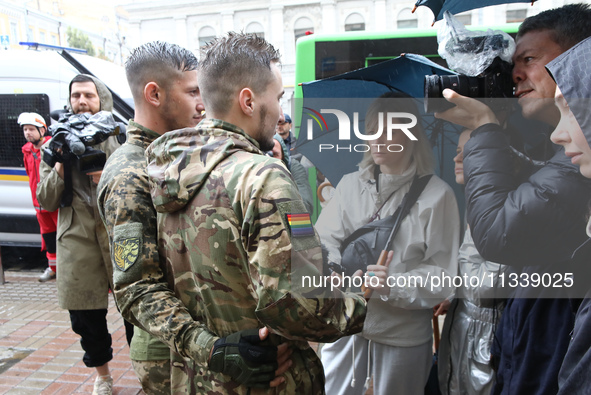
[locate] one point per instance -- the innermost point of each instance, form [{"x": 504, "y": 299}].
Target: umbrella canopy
[
  {"x": 456, "y": 6},
  {"x": 320, "y": 138}
]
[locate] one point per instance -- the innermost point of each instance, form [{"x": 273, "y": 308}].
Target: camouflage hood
[
  {"x": 103, "y": 92},
  {"x": 181, "y": 161}
]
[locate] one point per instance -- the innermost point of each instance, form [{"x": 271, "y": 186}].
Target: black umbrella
[
  {"x": 320, "y": 136},
  {"x": 456, "y": 6}
]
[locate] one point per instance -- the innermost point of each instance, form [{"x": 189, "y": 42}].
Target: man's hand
[
  {"x": 244, "y": 357},
  {"x": 469, "y": 113},
  {"x": 59, "y": 167}
]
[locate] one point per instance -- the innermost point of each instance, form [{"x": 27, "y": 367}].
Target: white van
[{"x": 37, "y": 81}]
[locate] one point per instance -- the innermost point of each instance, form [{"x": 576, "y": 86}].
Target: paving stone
[{"x": 33, "y": 320}]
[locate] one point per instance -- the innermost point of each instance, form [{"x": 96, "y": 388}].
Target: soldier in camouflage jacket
[
  {"x": 141, "y": 283},
  {"x": 225, "y": 237},
  {"x": 226, "y": 224}
]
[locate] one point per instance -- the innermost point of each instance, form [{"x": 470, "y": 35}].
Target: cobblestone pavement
[{"x": 39, "y": 353}]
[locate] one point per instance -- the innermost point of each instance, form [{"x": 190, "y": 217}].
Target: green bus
[{"x": 320, "y": 56}]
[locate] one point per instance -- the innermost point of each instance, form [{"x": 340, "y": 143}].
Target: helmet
[{"x": 31, "y": 118}]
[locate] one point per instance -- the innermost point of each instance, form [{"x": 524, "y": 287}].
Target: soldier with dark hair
[
  {"x": 231, "y": 224},
  {"x": 163, "y": 81}
]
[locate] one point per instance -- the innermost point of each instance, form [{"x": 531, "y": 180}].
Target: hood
[
  {"x": 572, "y": 73},
  {"x": 181, "y": 161},
  {"x": 286, "y": 156},
  {"x": 104, "y": 94}
]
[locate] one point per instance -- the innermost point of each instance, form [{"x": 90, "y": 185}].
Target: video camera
[
  {"x": 483, "y": 61},
  {"x": 75, "y": 134},
  {"x": 495, "y": 81}
]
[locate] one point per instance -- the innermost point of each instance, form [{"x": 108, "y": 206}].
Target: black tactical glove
[{"x": 245, "y": 358}]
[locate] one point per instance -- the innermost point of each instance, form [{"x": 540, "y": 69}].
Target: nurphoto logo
[{"x": 393, "y": 120}]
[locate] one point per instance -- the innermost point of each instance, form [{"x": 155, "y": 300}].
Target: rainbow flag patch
[{"x": 300, "y": 225}]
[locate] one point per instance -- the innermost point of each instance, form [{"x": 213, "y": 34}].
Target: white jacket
[{"x": 426, "y": 246}]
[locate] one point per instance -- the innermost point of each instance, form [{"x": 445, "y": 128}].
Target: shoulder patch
[
  {"x": 298, "y": 224},
  {"x": 127, "y": 241}
]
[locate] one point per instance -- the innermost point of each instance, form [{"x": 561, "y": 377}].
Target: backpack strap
[{"x": 409, "y": 199}]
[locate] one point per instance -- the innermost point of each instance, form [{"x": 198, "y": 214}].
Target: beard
[
  {"x": 170, "y": 118},
  {"x": 266, "y": 140}
]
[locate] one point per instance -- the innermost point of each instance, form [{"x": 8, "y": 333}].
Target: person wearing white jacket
[{"x": 396, "y": 343}]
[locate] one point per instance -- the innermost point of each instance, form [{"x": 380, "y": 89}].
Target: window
[
  {"x": 406, "y": 19},
  {"x": 206, "y": 34},
  {"x": 14, "y": 33},
  {"x": 516, "y": 15},
  {"x": 255, "y": 28},
  {"x": 301, "y": 27},
  {"x": 30, "y": 34},
  {"x": 354, "y": 22},
  {"x": 42, "y": 37}
]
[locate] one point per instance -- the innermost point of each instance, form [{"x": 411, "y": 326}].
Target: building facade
[
  {"x": 47, "y": 22},
  {"x": 193, "y": 23}
]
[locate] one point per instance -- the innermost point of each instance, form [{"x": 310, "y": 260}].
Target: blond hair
[{"x": 422, "y": 154}]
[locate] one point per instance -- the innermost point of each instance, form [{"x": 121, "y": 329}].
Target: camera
[
  {"x": 75, "y": 134},
  {"x": 495, "y": 81}
]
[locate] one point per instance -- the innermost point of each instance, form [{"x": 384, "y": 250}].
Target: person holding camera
[
  {"x": 396, "y": 343},
  {"x": 84, "y": 273},
  {"x": 159, "y": 74},
  {"x": 531, "y": 220},
  {"x": 34, "y": 129}
]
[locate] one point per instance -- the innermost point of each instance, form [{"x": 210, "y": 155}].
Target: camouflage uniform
[
  {"x": 126, "y": 208},
  {"x": 223, "y": 232}
]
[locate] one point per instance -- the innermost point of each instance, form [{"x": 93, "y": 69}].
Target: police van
[{"x": 37, "y": 80}]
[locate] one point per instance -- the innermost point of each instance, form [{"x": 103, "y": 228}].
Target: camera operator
[
  {"x": 534, "y": 221},
  {"x": 84, "y": 266}
]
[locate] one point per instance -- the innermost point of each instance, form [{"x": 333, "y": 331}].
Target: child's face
[{"x": 568, "y": 133}]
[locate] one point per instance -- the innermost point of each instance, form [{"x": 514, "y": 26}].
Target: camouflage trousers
[{"x": 154, "y": 376}]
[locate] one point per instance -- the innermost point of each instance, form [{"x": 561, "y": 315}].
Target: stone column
[
  {"x": 276, "y": 33},
  {"x": 380, "y": 17},
  {"x": 180, "y": 25},
  {"x": 227, "y": 21},
  {"x": 134, "y": 36},
  {"x": 329, "y": 16}
]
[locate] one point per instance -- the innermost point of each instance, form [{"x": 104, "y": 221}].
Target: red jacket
[{"x": 32, "y": 159}]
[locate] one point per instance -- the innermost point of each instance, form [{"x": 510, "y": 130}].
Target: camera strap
[{"x": 67, "y": 195}]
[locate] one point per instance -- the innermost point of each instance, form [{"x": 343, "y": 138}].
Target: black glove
[{"x": 245, "y": 358}]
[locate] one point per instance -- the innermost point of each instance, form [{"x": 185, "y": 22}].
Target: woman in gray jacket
[{"x": 396, "y": 343}]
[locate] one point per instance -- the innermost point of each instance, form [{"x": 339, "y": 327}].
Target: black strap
[
  {"x": 411, "y": 197},
  {"x": 68, "y": 194}
]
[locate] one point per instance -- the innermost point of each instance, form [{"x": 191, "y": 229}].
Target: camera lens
[{"x": 435, "y": 84}]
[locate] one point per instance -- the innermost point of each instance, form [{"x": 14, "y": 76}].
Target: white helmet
[{"x": 31, "y": 118}]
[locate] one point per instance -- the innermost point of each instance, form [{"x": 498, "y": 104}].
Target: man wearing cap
[
  {"x": 34, "y": 129},
  {"x": 284, "y": 130}
]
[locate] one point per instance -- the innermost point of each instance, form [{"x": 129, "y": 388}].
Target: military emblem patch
[{"x": 125, "y": 252}]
